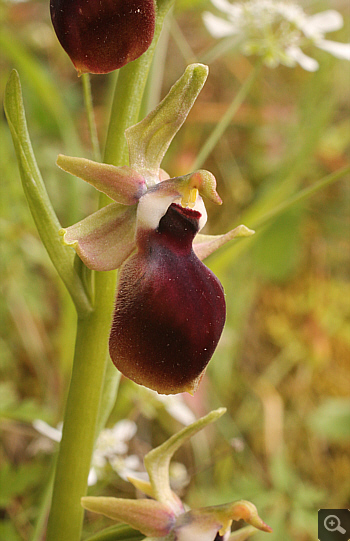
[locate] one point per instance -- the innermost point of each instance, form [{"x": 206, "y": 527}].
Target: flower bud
[{"x": 103, "y": 35}]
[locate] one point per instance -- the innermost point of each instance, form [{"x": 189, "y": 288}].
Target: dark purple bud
[
  {"x": 103, "y": 35},
  {"x": 170, "y": 308}
]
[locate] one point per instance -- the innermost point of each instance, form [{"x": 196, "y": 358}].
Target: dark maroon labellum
[
  {"x": 103, "y": 35},
  {"x": 170, "y": 309}
]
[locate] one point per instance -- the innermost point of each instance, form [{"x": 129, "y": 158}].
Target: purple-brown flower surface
[
  {"x": 103, "y": 35},
  {"x": 170, "y": 308}
]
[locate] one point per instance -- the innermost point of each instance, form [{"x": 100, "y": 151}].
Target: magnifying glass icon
[{"x": 332, "y": 524}]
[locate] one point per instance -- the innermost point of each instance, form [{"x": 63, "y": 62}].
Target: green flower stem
[
  {"x": 85, "y": 78},
  {"x": 153, "y": 90},
  {"x": 82, "y": 415},
  {"x": 220, "y": 128},
  {"x": 128, "y": 95},
  {"x": 82, "y": 408}
]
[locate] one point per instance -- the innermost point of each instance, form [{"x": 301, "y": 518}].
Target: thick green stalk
[
  {"x": 128, "y": 95},
  {"x": 89, "y": 367},
  {"x": 220, "y": 128},
  {"x": 82, "y": 407}
]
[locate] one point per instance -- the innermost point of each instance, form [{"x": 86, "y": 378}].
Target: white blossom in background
[
  {"x": 277, "y": 31},
  {"x": 176, "y": 407},
  {"x": 111, "y": 447},
  {"x": 54, "y": 434}
]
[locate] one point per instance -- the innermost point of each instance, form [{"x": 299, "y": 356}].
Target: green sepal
[
  {"x": 122, "y": 184},
  {"x": 38, "y": 200},
  {"x": 157, "y": 461},
  {"x": 149, "y": 140},
  {"x": 205, "y": 245},
  {"x": 105, "y": 239},
  {"x": 148, "y": 516}
]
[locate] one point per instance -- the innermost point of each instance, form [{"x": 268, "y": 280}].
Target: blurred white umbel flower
[
  {"x": 176, "y": 406},
  {"x": 277, "y": 31},
  {"x": 111, "y": 447}
]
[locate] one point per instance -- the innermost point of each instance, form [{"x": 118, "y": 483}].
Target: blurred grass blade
[
  {"x": 224, "y": 258},
  {"x": 303, "y": 195},
  {"x": 37, "y": 197},
  {"x": 220, "y": 48},
  {"x": 226, "y": 119},
  {"x": 40, "y": 525},
  {"x": 41, "y": 81},
  {"x": 331, "y": 420}
]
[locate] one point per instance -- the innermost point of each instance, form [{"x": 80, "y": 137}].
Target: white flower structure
[
  {"x": 175, "y": 405},
  {"x": 111, "y": 447},
  {"x": 277, "y": 31}
]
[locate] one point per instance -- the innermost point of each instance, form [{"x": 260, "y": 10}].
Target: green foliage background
[{"x": 282, "y": 366}]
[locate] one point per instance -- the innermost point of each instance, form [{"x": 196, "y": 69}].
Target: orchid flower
[
  {"x": 277, "y": 31},
  {"x": 162, "y": 516},
  {"x": 170, "y": 308}
]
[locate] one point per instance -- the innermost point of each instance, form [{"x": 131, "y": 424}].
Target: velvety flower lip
[
  {"x": 103, "y": 35},
  {"x": 170, "y": 308},
  {"x": 277, "y": 31},
  {"x": 163, "y": 517}
]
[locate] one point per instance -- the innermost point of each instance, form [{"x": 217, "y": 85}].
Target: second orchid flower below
[
  {"x": 170, "y": 308},
  {"x": 163, "y": 516}
]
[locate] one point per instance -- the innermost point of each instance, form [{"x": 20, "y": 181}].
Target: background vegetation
[{"x": 282, "y": 366}]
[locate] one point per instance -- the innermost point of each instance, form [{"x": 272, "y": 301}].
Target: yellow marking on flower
[
  {"x": 63, "y": 232},
  {"x": 225, "y": 527},
  {"x": 189, "y": 197}
]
